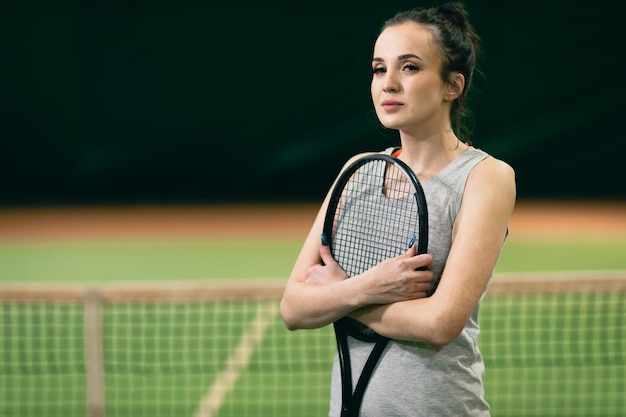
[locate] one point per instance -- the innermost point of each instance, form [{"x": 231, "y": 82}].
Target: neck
[{"x": 428, "y": 155}]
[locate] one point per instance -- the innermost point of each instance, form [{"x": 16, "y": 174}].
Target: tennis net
[{"x": 553, "y": 346}]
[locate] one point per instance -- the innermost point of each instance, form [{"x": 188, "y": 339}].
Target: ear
[{"x": 456, "y": 84}]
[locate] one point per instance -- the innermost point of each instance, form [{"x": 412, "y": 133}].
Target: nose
[{"x": 391, "y": 84}]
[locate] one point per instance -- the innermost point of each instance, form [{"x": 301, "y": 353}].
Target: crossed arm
[{"x": 391, "y": 297}]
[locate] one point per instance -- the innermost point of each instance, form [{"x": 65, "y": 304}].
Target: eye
[
  {"x": 410, "y": 67},
  {"x": 379, "y": 70}
]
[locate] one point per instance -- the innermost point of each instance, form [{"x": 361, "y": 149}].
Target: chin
[
  {"x": 389, "y": 125},
  {"x": 389, "y": 122}
]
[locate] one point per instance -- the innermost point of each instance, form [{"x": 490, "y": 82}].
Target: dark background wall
[{"x": 185, "y": 102}]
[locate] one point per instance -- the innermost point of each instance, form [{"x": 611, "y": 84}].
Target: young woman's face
[{"x": 407, "y": 89}]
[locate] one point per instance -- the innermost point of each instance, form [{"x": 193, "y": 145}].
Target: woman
[{"x": 422, "y": 66}]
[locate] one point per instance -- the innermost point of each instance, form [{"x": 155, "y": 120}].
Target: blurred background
[
  {"x": 144, "y": 102},
  {"x": 141, "y": 140}
]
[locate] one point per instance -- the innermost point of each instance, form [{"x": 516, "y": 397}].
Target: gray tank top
[{"x": 418, "y": 379}]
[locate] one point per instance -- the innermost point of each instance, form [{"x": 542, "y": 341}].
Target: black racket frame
[{"x": 351, "y": 402}]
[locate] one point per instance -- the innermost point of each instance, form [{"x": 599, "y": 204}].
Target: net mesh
[
  {"x": 167, "y": 352},
  {"x": 42, "y": 367},
  {"x": 557, "y": 354}
]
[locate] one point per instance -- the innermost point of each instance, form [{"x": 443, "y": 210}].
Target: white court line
[{"x": 212, "y": 401}]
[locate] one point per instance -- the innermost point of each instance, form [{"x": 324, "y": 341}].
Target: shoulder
[
  {"x": 386, "y": 151},
  {"x": 492, "y": 177},
  {"x": 356, "y": 157},
  {"x": 488, "y": 199},
  {"x": 492, "y": 167}
]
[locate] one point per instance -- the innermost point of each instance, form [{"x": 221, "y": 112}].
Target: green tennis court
[
  {"x": 104, "y": 262},
  {"x": 557, "y": 355}
]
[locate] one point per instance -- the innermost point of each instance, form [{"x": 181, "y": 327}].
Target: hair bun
[{"x": 455, "y": 13}]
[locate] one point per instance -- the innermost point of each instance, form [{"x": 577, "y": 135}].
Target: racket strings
[{"x": 376, "y": 218}]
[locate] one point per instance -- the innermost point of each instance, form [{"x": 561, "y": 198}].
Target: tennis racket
[{"x": 377, "y": 210}]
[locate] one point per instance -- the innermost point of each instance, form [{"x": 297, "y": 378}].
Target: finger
[
  {"x": 421, "y": 294},
  {"x": 423, "y": 286},
  {"x": 423, "y": 261},
  {"x": 411, "y": 251},
  {"x": 325, "y": 253}
]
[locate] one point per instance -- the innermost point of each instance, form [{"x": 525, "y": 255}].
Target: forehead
[{"x": 406, "y": 38}]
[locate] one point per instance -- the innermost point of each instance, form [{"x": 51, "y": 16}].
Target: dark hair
[{"x": 459, "y": 46}]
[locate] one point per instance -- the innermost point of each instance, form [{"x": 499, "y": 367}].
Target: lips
[{"x": 390, "y": 105}]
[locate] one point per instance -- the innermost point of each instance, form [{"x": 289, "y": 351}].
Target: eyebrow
[{"x": 400, "y": 58}]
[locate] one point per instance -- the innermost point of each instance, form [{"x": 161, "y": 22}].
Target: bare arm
[{"x": 477, "y": 240}]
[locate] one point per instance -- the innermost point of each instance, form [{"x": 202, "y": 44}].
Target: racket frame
[{"x": 351, "y": 401}]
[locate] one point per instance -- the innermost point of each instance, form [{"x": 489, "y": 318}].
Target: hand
[
  {"x": 328, "y": 270},
  {"x": 404, "y": 277}
]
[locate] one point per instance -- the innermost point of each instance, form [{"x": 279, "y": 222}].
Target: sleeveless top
[{"x": 415, "y": 378}]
